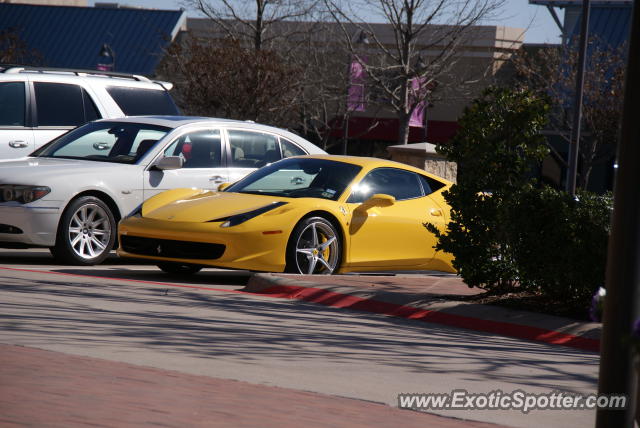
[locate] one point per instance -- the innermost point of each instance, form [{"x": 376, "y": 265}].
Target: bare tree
[
  {"x": 254, "y": 21},
  {"x": 213, "y": 78},
  {"x": 420, "y": 51},
  {"x": 550, "y": 70},
  {"x": 13, "y": 50}
]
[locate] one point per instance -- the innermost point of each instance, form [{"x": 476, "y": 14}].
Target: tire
[
  {"x": 86, "y": 232},
  {"x": 314, "y": 248},
  {"x": 179, "y": 268}
]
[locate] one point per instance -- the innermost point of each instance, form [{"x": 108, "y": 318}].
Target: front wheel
[
  {"x": 179, "y": 268},
  {"x": 86, "y": 233},
  {"x": 314, "y": 248}
]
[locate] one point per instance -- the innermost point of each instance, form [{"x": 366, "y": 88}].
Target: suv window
[
  {"x": 12, "y": 104},
  {"x": 138, "y": 101},
  {"x": 90, "y": 110},
  {"x": 61, "y": 104},
  {"x": 390, "y": 181},
  {"x": 252, "y": 149}
]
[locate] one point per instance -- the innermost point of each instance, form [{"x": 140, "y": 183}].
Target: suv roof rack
[{"x": 15, "y": 69}]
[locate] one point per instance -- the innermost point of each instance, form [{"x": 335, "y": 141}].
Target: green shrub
[
  {"x": 498, "y": 142},
  {"x": 560, "y": 243},
  {"x": 505, "y": 233}
]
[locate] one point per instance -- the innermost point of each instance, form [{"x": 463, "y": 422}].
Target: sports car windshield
[
  {"x": 299, "y": 178},
  {"x": 119, "y": 142}
]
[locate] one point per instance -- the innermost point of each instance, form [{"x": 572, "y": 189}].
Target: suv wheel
[{"x": 86, "y": 233}]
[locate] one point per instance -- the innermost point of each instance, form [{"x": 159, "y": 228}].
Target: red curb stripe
[{"x": 338, "y": 300}]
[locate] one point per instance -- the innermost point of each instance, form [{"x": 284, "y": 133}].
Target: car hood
[
  {"x": 40, "y": 171},
  {"x": 210, "y": 206}
]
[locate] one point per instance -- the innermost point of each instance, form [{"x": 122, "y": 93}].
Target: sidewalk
[
  {"x": 51, "y": 389},
  {"x": 428, "y": 298}
]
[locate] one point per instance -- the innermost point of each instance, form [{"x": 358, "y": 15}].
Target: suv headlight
[{"x": 22, "y": 194}]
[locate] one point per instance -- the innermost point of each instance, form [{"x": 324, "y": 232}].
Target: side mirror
[
  {"x": 169, "y": 162},
  {"x": 380, "y": 200},
  {"x": 223, "y": 186}
]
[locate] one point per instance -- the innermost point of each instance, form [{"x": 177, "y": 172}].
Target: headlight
[
  {"x": 22, "y": 194},
  {"x": 237, "y": 219}
]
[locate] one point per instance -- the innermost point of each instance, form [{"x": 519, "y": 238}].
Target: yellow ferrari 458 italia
[{"x": 317, "y": 214}]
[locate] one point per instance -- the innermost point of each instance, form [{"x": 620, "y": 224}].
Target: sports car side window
[
  {"x": 390, "y": 181},
  {"x": 430, "y": 185}
]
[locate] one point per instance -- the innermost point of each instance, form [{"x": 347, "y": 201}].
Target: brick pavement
[{"x": 50, "y": 389}]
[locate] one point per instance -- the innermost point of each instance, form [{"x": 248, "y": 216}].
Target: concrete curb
[{"x": 433, "y": 308}]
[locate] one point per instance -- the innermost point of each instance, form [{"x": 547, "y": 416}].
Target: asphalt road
[{"x": 205, "y": 326}]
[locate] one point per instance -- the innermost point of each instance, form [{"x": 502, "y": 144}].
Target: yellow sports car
[{"x": 316, "y": 214}]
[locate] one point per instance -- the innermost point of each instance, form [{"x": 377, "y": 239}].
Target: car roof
[
  {"x": 178, "y": 121},
  {"x": 168, "y": 121},
  {"x": 370, "y": 163},
  {"x": 9, "y": 72}
]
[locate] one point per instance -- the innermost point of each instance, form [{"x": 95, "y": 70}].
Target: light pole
[
  {"x": 574, "y": 145},
  {"x": 107, "y": 53},
  {"x": 360, "y": 40}
]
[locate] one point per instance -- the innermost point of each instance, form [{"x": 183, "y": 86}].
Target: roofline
[
  {"x": 181, "y": 24},
  {"x": 566, "y": 3}
]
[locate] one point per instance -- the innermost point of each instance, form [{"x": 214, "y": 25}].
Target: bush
[
  {"x": 498, "y": 142},
  {"x": 505, "y": 233},
  {"x": 560, "y": 243}
]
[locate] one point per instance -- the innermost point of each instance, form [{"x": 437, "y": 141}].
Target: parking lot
[{"x": 206, "y": 326}]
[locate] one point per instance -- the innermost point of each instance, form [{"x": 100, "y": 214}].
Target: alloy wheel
[
  {"x": 317, "y": 249},
  {"x": 89, "y": 231}
]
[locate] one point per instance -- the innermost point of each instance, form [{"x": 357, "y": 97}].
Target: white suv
[{"x": 39, "y": 104}]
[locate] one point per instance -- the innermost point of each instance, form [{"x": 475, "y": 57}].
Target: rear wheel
[
  {"x": 86, "y": 233},
  {"x": 314, "y": 247},
  {"x": 179, "y": 268}
]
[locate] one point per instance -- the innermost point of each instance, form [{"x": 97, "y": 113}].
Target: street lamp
[
  {"x": 109, "y": 56},
  {"x": 359, "y": 40}
]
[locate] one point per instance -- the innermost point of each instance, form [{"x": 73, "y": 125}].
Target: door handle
[
  {"x": 18, "y": 144},
  {"x": 217, "y": 179},
  {"x": 436, "y": 212}
]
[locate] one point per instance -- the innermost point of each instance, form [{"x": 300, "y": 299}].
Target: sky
[{"x": 540, "y": 26}]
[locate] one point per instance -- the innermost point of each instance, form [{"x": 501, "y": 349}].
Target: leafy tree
[{"x": 497, "y": 146}]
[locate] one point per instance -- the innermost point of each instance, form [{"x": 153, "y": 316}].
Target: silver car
[{"x": 70, "y": 194}]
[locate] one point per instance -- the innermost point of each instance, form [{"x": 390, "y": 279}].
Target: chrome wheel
[
  {"x": 89, "y": 231},
  {"x": 317, "y": 247}
]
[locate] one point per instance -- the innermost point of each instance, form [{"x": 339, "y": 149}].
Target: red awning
[{"x": 367, "y": 128}]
